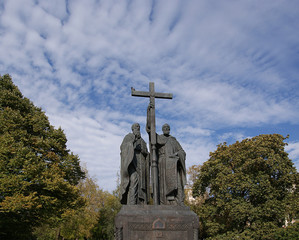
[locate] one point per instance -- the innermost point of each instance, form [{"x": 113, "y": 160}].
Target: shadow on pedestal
[{"x": 137, "y": 222}]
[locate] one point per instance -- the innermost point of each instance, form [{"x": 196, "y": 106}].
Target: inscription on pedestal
[
  {"x": 158, "y": 234},
  {"x": 134, "y": 226},
  {"x": 157, "y": 223}
]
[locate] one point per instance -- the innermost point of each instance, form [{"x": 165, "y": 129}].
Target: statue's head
[
  {"x": 136, "y": 130},
  {"x": 166, "y": 129}
]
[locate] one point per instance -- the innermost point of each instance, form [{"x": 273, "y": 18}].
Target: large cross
[{"x": 153, "y": 139}]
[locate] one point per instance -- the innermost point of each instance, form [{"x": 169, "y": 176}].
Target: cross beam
[
  {"x": 149, "y": 94},
  {"x": 153, "y": 138},
  {"x": 152, "y": 95}
]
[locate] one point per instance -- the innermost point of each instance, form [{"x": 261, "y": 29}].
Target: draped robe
[
  {"x": 172, "y": 170},
  {"x": 138, "y": 160}
]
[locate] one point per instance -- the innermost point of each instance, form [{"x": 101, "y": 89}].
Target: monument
[
  {"x": 134, "y": 175},
  {"x": 168, "y": 217}
]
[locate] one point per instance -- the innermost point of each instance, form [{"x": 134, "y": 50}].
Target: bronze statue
[
  {"x": 152, "y": 95},
  {"x": 167, "y": 218},
  {"x": 134, "y": 188},
  {"x": 172, "y": 169},
  {"x": 167, "y": 156},
  {"x": 171, "y": 166}
]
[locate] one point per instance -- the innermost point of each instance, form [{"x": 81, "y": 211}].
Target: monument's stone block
[{"x": 156, "y": 222}]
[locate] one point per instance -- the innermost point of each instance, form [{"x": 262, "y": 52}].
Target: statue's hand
[
  {"x": 137, "y": 136},
  {"x": 144, "y": 152},
  {"x": 173, "y": 155},
  {"x": 138, "y": 147},
  {"x": 151, "y": 105}
]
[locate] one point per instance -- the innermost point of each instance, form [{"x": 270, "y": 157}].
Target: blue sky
[{"x": 232, "y": 67}]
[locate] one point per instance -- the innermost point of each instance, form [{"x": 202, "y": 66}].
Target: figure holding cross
[{"x": 168, "y": 168}]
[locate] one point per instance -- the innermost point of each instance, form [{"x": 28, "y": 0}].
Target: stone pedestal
[{"x": 156, "y": 222}]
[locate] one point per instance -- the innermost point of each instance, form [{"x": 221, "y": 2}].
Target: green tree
[
  {"x": 195, "y": 203},
  {"x": 75, "y": 223},
  {"x": 104, "y": 229},
  {"x": 110, "y": 206},
  {"x": 289, "y": 233},
  {"x": 192, "y": 173},
  {"x": 78, "y": 223},
  {"x": 95, "y": 220},
  {"x": 38, "y": 174},
  {"x": 251, "y": 187}
]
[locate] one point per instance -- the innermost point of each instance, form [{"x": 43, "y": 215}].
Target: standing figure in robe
[
  {"x": 171, "y": 167},
  {"x": 134, "y": 188}
]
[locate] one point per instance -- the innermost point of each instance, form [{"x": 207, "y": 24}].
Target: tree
[
  {"x": 251, "y": 188},
  {"x": 38, "y": 174},
  {"x": 79, "y": 224},
  {"x": 110, "y": 206},
  {"x": 192, "y": 173},
  {"x": 195, "y": 203},
  {"x": 104, "y": 229},
  {"x": 75, "y": 223},
  {"x": 289, "y": 233},
  {"x": 95, "y": 220}
]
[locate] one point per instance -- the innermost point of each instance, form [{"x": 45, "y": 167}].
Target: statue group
[
  {"x": 136, "y": 164},
  {"x": 157, "y": 173}
]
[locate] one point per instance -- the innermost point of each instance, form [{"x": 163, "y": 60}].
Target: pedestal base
[{"x": 156, "y": 222}]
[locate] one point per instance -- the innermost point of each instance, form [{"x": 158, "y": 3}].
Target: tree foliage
[
  {"x": 78, "y": 223},
  {"x": 192, "y": 174},
  {"x": 95, "y": 220},
  {"x": 104, "y": 229},
  {"x": 194, "y": 202},
  {"x": 38, "y": 174},
  {"x": 290, "y": 232},
  {"x": 251, "y": 187}
]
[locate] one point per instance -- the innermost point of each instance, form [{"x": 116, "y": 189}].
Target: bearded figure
[
  {"x": 134, "y": 188},
  {"x": 171, "y": 168}
]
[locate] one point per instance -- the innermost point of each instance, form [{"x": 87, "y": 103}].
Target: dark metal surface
[
  {"x": 156, "y": 222},
  {"x": 134, "y": 172},
  {"x": 153, "y": 155}
]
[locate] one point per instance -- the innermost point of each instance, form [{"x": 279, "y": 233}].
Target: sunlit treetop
[{"x": 38, "y": 174}]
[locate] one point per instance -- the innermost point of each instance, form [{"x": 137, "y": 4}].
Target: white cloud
[
  {"x": 228, "y": 64},
  {"x": 293, "y": 150},
  {"x": 195, "y": 131},
  {"x": 56, "y": 8},
  {"x": 96, "y": 141},
  {"x": 231, "y": 137}
]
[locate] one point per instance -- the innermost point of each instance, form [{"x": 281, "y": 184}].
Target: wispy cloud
[
  {"x": 293, "y": 149},
  {"x": 229, "y": 65}
]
